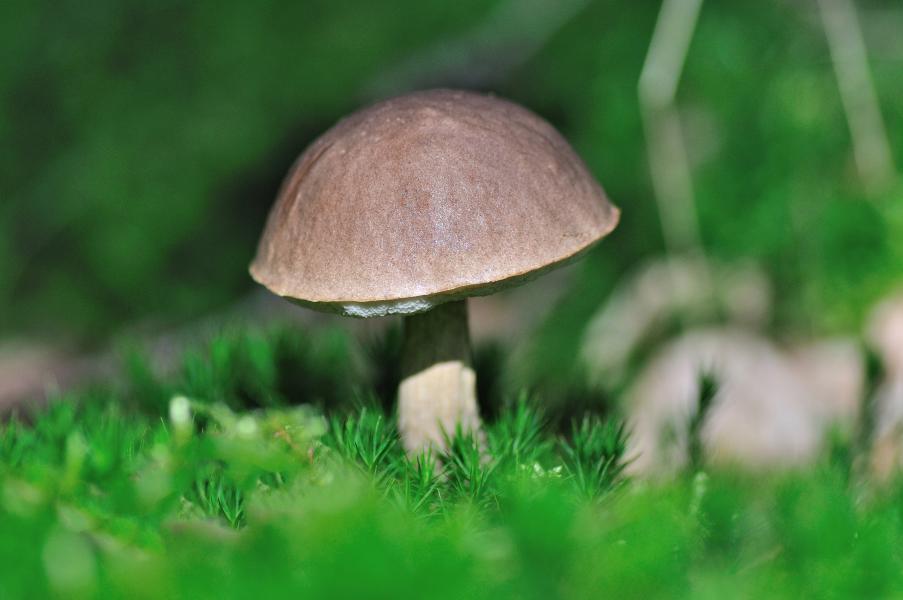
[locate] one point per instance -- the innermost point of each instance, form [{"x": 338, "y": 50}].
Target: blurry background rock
[
  {"x": 26, "y": 370},
  {"x": 662, "y": 295},
  {"x": 771, "y": 408},
  {"x": 885, "y": 336}
]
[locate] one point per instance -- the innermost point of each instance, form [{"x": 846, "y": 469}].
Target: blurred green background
[{"x": 143, "y": 142}]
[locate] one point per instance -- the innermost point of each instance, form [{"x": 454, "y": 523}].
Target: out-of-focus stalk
[
  {"x": 668, "y": 161},
  {"x": 871, "y": 149}
]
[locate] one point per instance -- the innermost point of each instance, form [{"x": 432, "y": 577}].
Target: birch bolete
[{"x": 412, "y": 205}]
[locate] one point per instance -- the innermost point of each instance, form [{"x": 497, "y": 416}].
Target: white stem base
[
  {"x": 433, "y": 403},
  {"x": 438, "y": 392}
]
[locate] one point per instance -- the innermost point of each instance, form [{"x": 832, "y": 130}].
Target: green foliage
[
  {"x": 248, "y": 369},
  {"x": 144, "y": 142},
  {"x": 517, "y": 439},
  {"x": 594, "y": 455},
  {"x": 367, "y": 439},
  {"x": 99, "y": 496}
]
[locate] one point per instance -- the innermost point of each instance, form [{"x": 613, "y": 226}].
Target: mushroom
[{"x": 412, "y": 205}]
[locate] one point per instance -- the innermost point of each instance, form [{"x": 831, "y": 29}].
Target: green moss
[{"x": 140, "y": 491}]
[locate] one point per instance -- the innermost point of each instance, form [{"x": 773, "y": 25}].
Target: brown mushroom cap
[{"x": 426, "y": 198}]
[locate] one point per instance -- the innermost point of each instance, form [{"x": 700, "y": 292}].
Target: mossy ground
[{"x": 269, "y": 466}]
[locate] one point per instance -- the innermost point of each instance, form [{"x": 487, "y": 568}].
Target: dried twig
[
  {"x": 506, "y": 38},
  {"x": 871, "y": 149},
  {"x": 668, "y": 162}
]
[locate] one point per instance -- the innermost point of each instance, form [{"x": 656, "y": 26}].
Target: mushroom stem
[{"x": 438, "y": 387}]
